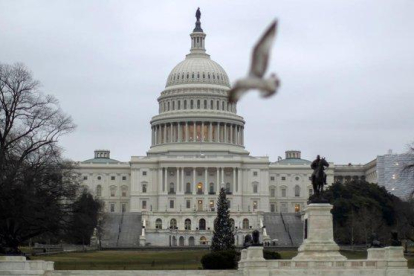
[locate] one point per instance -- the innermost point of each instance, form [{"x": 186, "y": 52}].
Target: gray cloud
[{"x": 346, "y": 69}]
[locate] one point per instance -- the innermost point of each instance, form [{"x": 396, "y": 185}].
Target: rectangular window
[
  {"x": 272, "y": 192},
  {"x": 283, "y": 178},
  {"x": 144, "y": 205},
  {"x": 171, "y": 204},
  {"x": 187, "y": 173},
  {"x": 124, "y": 178},
  {"x": 254, "y": 173},
  {"x": 172, "y": 173},
  {"x": 297, "y": 208},
  {"x": 211, "y": 204},
  {"x": 123, "y": 207},
  {"x": 254, "y": 205},
  {"x": 255, "y": 188},
  {"x": 188, "y": 204},
  {"x": 112, "y": 177},
  {"x": 144, "y": 173},
  {"x": 272, "y": 208},
  {"x": 272, "y": 178},
  {"x": 283, "y": 192},
  {"x": 112, "y": 206},
  {"x": 85, "y": 178}
]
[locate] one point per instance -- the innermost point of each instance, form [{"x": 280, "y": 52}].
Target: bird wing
[
  {"x": 235, "y": 93},
  {"x": 261, "y": 52}
]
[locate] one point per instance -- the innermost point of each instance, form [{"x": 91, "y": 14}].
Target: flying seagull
[{"x": 260, "y": 59}]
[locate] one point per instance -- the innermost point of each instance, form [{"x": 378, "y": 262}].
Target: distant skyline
[{"x": 346, "y": 70}]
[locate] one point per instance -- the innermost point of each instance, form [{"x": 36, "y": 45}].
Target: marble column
[
  {"x": 225, "y": 133},
  {"x": 222, "y": 176},
  {"x": 165, "y": 134},
  {"x": 160, "y": 182},
  {"x": 179, "y": 138},
  {"x": 218, "y": 181},
  {"x": 202, "y": 132},
  {"x": 210, "y": 133},
  {"x": 231, "y": 134},
  {"x": 194, "y": 181},
  {"x": 239, "y": 179},
  {"x": 186, "y": 131},
  {"x": 218, "y": 132},
  {"x": 194, "y": 131},
  {"x": 178, "y": 180},
  {"x": 165, "y": 179},
  {"x": 171, "y": 132},
  {"x": 234, "y": 180},
  {"x": 182, "y": 180},
  {"x": 205, "y": 180}
]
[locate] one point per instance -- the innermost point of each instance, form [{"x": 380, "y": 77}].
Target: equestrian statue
[{"x": 318, "y": 179}]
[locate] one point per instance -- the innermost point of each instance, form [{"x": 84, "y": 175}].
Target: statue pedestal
[{"x": 319, "y": 244}]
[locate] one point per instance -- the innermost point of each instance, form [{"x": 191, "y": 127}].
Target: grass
[
  {"x": 150, "y": 260},
  {"x": 126, "y": 260}
]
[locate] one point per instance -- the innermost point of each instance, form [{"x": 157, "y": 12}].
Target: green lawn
[
  {"x": 147, "y": 260},
  {"x": 126, "y": 260}
]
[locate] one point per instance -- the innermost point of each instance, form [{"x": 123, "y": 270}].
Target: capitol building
[{"x": 169, "y": 196}]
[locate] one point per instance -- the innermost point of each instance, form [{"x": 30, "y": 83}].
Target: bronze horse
[{"x": 319, "y": 177}]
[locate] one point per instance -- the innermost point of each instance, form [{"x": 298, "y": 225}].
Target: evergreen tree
[{"x": 223, "y": 238}]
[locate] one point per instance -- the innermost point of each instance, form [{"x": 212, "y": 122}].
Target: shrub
[
  {"x": 271, "y": 255},
  {"x": 220, "y": 260}
]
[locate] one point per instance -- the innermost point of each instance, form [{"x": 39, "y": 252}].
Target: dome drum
[{"x": 198, "y": 132}]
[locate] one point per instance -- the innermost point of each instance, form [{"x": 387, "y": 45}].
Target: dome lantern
[{"x": 198, "y": 37}]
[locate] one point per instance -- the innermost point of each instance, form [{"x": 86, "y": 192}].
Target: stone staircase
[
  {"x": 286, "y": 228},
  {"x": 121, "y": 230}
]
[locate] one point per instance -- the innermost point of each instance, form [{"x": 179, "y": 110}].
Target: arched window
[
  {"x": 211, "y": 104},
  {"x": 211, "y": 190},
  {"x": 198, "y": 104},
  {"x": 283, "y": 190},
  {"x": 188, "y": 188},
  {"x": 222, "y": 105},
  {"x": 245, "y": 223},
  {"x": 205, "y": 104},
  {"x": 172, "y": 190},
  {"x": 124, "y": 190},
  {"x": 179, "y": 105},
  {"x": 187, "y": 224},
  {"x": 191, "y": 241},
  {"x": 185, "y": 104},
  {"x": 173, "y": 224},
  {"x": 297, "y": 191},
  {"x": 203, "y": 240},
  {"x": 202, "y": 224},
  {"x": 200, "y": 188},
  {"x": 113, "y": 191},
  {"x": 99, "y": 190},
  {"x": 173, "y": 105},
  {"x": 255, "y": 187},
  {"x": 272, "y": 191},
  {"x": 158, "y": 224},
  {"x": 191, "y": 104},
  {"x": 181, "y": 241},
  {"x": 218, "y": 105}
]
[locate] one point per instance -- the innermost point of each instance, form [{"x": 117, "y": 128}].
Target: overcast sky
[{"x": 347, "y": 69}]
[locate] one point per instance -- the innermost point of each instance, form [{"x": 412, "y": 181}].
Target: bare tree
[{"x": 36, "y": 184}]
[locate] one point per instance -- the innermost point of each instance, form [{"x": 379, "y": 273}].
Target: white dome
[{"x": 198, "y": 69}]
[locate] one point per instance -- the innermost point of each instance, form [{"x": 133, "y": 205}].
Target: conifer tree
[{"x": 223, "y": 238}]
